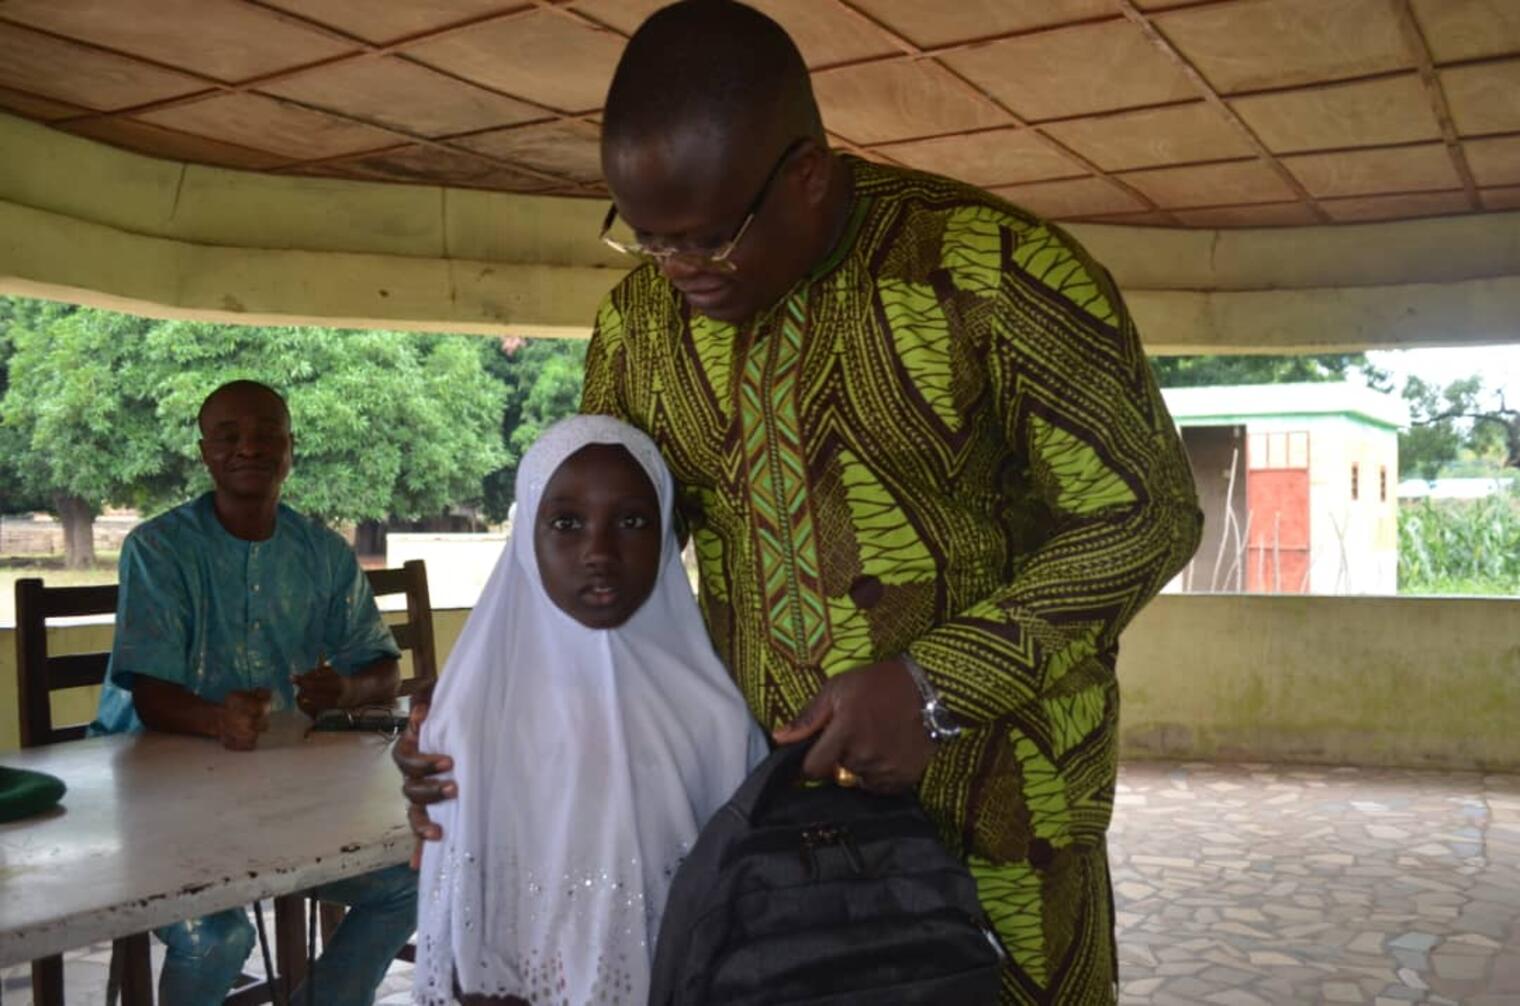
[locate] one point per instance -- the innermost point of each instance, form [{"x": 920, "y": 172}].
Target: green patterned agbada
[{"x": 944, "y": 440}]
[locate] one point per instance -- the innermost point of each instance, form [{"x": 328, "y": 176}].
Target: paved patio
[{"x": 1242, "y": 885}]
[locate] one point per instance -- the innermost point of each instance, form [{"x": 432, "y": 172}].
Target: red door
[{"x": 1277, "y": 499}]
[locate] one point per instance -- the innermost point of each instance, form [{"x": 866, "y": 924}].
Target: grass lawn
[{"x": 50, "y": 568}]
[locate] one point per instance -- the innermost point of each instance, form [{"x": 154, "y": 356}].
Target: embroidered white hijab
[{"x": 587, "y": 760}]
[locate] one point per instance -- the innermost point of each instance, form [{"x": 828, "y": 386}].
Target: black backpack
[{"x": 822, "y": 895}]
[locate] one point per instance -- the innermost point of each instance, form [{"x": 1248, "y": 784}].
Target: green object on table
[{"x": 24, "y": 792}]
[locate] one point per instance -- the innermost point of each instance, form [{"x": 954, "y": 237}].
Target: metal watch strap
[{"x": 938, "y": 722}]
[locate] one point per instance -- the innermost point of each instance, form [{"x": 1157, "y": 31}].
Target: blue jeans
[{"x": 206, "y": 955}]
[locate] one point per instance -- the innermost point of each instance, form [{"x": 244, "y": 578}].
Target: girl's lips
[{"x": 600, "y": 595}]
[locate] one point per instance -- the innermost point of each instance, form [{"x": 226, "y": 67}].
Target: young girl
[{"x": 593, "y": 732}]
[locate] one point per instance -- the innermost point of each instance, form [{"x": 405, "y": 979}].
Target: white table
[{"x": 156, "y": 828}]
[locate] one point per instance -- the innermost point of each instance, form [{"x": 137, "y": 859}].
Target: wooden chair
[
  {"x": 416, "y": 633},
  {"x": 38, "y": 676}
]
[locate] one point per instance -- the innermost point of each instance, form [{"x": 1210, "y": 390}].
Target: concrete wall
[
  {"x": 467, "y": 558},
  {"x": 1346, "y": 680},
  {"x": 85, "y": 222},
  {"x": 1369, "y": 681}
]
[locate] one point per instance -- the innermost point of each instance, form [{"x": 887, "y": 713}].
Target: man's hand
[
  {"x": 242, "y": 717},
  {"x": 870, "y": 721},
  {"x": 320, "y": 689},
  {"x": 419, "y": 786}
]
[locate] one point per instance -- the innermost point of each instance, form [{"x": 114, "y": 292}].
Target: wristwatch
[{"x": 938, "y": 721}]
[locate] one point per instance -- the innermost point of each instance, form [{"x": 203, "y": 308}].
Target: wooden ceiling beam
[{"x": 1419, "y": 50}]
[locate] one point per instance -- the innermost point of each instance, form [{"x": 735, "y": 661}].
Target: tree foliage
[
  {"x": 1199, "y": 371},
  {"x": 1462, "y": 422},
  {"x": 543, "y": 378},
  {"x": 101, "y": 407}
]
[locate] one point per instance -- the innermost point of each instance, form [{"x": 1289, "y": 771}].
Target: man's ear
[{"x": 816, "y": 163}]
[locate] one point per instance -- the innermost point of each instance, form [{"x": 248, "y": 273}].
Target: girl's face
[{"x": 597, "y": 536}]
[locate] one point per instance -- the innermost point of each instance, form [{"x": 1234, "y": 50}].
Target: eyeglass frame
[{"x": 720, "y": 258}]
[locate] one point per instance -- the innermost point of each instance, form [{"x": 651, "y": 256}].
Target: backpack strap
[{"x": 780, "y": 769}]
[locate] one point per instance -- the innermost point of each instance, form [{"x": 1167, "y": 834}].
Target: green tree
[
  {"x": 1462, "y": 421},
  {"x": 75, "y": 435},
  {"x": 1199, "y": 371},
  {"x": 102, "y": 408},
  {"x": 543, "y": 378},
  {"x": 14, "y": 313}
]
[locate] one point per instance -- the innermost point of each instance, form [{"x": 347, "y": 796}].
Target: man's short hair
[
  {"x": 241, "y": 385},
  {"x": 717, "y": 65}
]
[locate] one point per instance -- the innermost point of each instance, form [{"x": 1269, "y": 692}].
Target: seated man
[{"x": 232, "y": 606}]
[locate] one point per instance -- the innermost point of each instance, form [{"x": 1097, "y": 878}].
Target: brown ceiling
[{"x": 1198, "y": 113}]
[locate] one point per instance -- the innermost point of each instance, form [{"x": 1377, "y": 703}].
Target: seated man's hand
[
  {"x": 419, "y": 786},
  {"x": 868, "y": 721},
  {"x": 320, "y": 689},
  {"x": 243, "y": 716}
]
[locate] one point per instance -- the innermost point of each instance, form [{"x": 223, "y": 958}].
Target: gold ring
[{"x": 844, "y": 777}]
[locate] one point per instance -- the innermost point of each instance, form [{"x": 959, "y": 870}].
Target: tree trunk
[
  {"x": 369, "y": 538},
  {"x": 78, "y": 519}
]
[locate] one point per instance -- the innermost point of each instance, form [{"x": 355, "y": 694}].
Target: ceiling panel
[
  {"x": 387, "y": 20},
  {"x": 1468, "y": 29},
  {"x": 148, "y": 138},
  {"x": 826, "y": 33},
  {"x": 1391, "y": 110},
  {"x": 33, "y": 107},
  {"x": 1484, "y": 98},
  {"x": 1420, "y": 204},
  {"x": 1211, "y": 184},
  {"x": 898, "y": 100},
  {"x": 542, "y": 57},
  {"x": 50, "y": 68},
  {"x": 1263, "y": 215},
  {"x": 1153, "y": 137},
  {"x": 1366, "y": 172},
  {"x": 233, "y": 41},
  {"x": 936, "y": 24},
  {"x": 1145, "y": 218},
  {"x": 568, "y": 149},
  {"x": 1495, "y": 161},
  {"x": 999, "y": 157},
  {"x": 1282, "y": 43},
  {"x": 1074, "y": 71},
  {"x": 405, "y": 95},
  {"x": 252, "y": 120},
  {"x": 623, "y": 15},
  {"x": 418, "y": 163},
  {"x": 1326, "y": 86},
  {"x": 1073, "y": 197}
]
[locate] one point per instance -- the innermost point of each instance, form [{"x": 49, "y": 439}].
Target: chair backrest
[
  {"x": 38, "y": 675},
  {"x": 416, "y": 633}
]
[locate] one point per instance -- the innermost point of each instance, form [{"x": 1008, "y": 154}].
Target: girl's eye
[
  {"x": 564, "y": 523},
  {"x": 635, "y": 520}
]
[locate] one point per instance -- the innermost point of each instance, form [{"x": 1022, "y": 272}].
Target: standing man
[
  {"x": 231, "y": 606},
  {"x": 927, "y": 471}
]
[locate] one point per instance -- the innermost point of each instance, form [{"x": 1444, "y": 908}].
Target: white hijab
[{"x": 587, "y": 760}]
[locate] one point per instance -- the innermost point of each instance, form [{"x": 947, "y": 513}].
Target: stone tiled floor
[{"x": 1242, "y": 885}]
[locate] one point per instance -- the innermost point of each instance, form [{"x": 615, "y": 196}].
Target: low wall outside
[{"x": 1343, "y": 680}]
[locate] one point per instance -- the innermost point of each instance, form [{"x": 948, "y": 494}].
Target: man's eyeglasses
[{"x": 719, "y": 258}]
